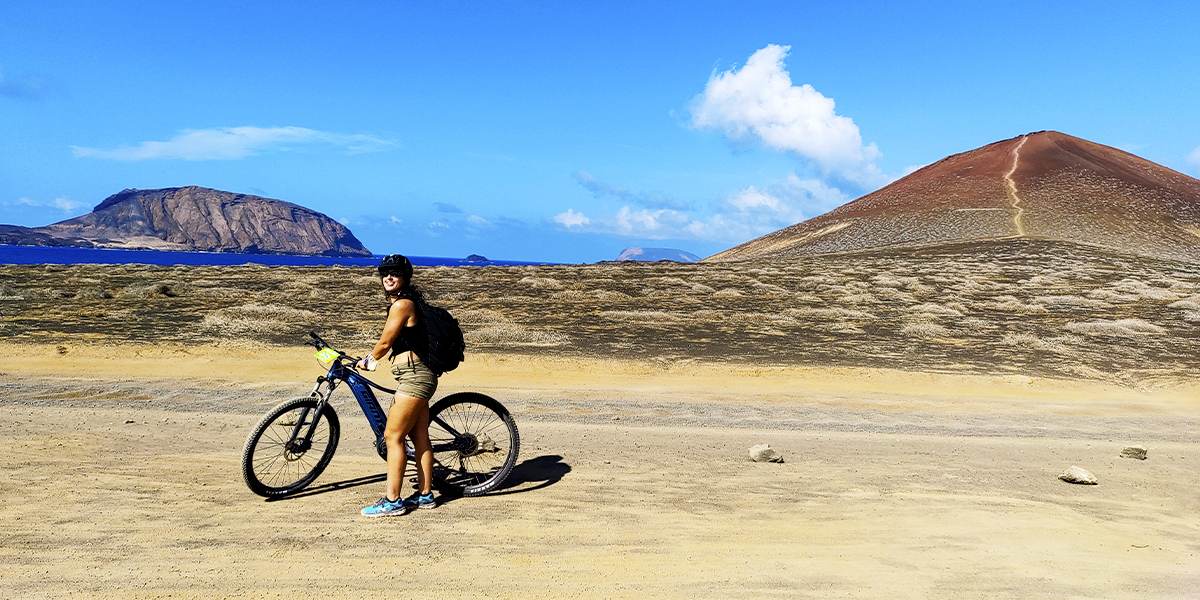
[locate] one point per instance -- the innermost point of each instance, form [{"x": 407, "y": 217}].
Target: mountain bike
[{"x": 475, "y": 439}]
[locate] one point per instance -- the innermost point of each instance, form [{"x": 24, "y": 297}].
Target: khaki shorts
[{"x": 414, "y": 379}]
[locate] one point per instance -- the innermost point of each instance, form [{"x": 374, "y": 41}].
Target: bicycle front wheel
[
  {"x": 475, "y": 445},
  {"x": 279, "y": 457}
]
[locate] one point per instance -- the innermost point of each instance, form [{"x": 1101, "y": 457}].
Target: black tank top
[{"x": 411, "y": 338}]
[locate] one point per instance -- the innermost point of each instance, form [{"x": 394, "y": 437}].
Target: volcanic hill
[
  {"x": 201, "y": 219},
  {"x": 1045, "y": 185}
]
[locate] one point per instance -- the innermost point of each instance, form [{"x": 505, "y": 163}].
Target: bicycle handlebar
[{"x": 320, "y": 344}]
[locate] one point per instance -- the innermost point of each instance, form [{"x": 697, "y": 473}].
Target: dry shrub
[
  {"x": 8, "y": 292},
  {"x": 154, "y": 289},
  {"x": 579, "y": 296},
  {"x": 1144, "y": 290},
  {"x": 480, "y": 316},
  {"x": 1185, "y": 305},
  {"x": 1111, "y": 296},
  {"x": 515, "y": 335},
  {"x": 1121, "y": 328},
  {"x": 933, "y": 308},
  {"x": 258, "y": 318},
  {"x": 924, "y": 330},
  {"x": 641, "y": 316},
  {"x": 727, "y": 293},
  {"x": 859, "y": 299},
  {"x": 569, "y": 295},
  {"x": 1033, "y": 342},
  {"x": 223, "y": 292},
  {"x": 1012, "y": 304},
  {"x": 828, "y": 313},
  {"x": 840, "y": 327},
  {"x": 93, "y": 293},
  {"x": 1191, "y": 316},
  {"x": 700, "y": 288},
  {"x": 767, "y": 289},
  {"x": 541, "y": 282},
  {"x": 975, "y": 324},
  {"x": 1072, "y": 301}
]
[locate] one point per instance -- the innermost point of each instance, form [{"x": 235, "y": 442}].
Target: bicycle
[{"x": 475, "y": 439}]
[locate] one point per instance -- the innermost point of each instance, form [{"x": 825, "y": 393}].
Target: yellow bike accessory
[{"x": 326, "y": 355}]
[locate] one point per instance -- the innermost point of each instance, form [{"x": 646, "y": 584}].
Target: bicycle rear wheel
[
  {"x": 479, "y": 449},
  {"x": 277, "y": 460}
]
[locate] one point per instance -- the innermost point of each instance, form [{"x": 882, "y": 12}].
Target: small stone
[
  {"x": 1138, "y": 452},
  {"x": 1078, "y": 475},
  {"x": 764, "y": 453},
  {"x": 128, "y": 421}
]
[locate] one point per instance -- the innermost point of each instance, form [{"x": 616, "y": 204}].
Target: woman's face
[{"x": 392, "y": 282}]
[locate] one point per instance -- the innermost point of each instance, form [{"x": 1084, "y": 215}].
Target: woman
[{"x": 404, "y": 336}]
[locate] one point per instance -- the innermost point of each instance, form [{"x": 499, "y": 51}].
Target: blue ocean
[{"x": 43, "y": 255}]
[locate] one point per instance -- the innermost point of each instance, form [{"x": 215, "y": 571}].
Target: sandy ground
[{"x": 121, "y": 480}]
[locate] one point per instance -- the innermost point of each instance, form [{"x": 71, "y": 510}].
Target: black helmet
[{"x": 398, "y": 263}]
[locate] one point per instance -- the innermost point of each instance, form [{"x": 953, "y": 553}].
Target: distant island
[
  {"x": 657, "y": 254},
  {"x": 195, "y": 219}
]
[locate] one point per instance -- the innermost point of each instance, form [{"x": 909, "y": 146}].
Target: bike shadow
[
  {"x": 334, "y": 486},
  {"x": 541, "y": 471}
]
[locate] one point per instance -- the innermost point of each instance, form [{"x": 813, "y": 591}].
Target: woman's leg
[
  {"x": 424, "y": 450},
  {"x": 406, "y": 411}
]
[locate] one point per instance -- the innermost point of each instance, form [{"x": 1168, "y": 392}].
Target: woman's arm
[{"x": 401, "y": 314}]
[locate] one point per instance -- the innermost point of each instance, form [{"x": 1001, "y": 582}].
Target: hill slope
[
  {"x": 196, "y": 218},
  {"x": 1044, "y": 185}
]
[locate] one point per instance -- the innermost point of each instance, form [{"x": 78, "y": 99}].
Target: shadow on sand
[{"x": 541, "y": 472}]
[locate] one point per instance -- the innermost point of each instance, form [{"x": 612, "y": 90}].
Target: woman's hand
[{"x": 367, "y": 363}]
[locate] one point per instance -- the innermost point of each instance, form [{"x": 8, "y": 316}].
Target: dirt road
[{"x": 630, "y": 485}]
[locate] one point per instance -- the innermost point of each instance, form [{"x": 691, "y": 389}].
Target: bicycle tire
[
  {"x": 490, "y": 454},
  {"x": 270, "y": 468}
]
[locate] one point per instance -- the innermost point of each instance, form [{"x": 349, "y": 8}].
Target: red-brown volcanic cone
[{"x": 1044, "y": 185}]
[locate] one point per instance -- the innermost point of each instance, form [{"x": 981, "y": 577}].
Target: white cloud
[
  {"x": 759, "y": 103},
  {"x": 1194, "y": 158},
  {"x": 66, "y": 204},
  {"x": 61, "y": 203},
  {"x": 232, "y": 143},
  {"x": 397, "y": 220},
  {"x": 477, "y": 221},
  {"x": 571, "y": 219},
  {"x": 743, "y": 215}
]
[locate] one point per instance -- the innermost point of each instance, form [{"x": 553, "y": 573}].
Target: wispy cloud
[
  {"x": 233, "y": 143},
  {"x": 61, "y": 203},
  {"x": 27, "y": 87},
  {"x": 759, "y": 103},
  {"x": 1194, "y": 158},
  {"x": 652, "y": 199}
]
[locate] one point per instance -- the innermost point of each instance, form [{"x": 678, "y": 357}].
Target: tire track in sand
[{"x": 1011, "y": 186}]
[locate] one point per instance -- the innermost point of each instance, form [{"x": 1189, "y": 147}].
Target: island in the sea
[{"x": 195, "y": 219}]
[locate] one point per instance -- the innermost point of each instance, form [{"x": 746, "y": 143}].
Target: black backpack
[{"x": 446, "y": 344}]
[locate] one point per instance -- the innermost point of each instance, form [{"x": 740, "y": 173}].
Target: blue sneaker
[
  {"x": 419, "y": 500},
  {"x": 387, "y": 508}
]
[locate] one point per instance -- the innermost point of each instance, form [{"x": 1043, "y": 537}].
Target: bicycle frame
[{"x": 361, "y": 388}]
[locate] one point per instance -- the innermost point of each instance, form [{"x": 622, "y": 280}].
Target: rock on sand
[
  {"x": 764, "y": 453},
  {"x": 1076, "y": 474}
]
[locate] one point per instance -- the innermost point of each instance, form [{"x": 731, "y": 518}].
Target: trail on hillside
[{"x": 1012, "y": 190}]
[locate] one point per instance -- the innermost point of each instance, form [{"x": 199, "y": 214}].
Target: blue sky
[{"x": 566, "y": 131}]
